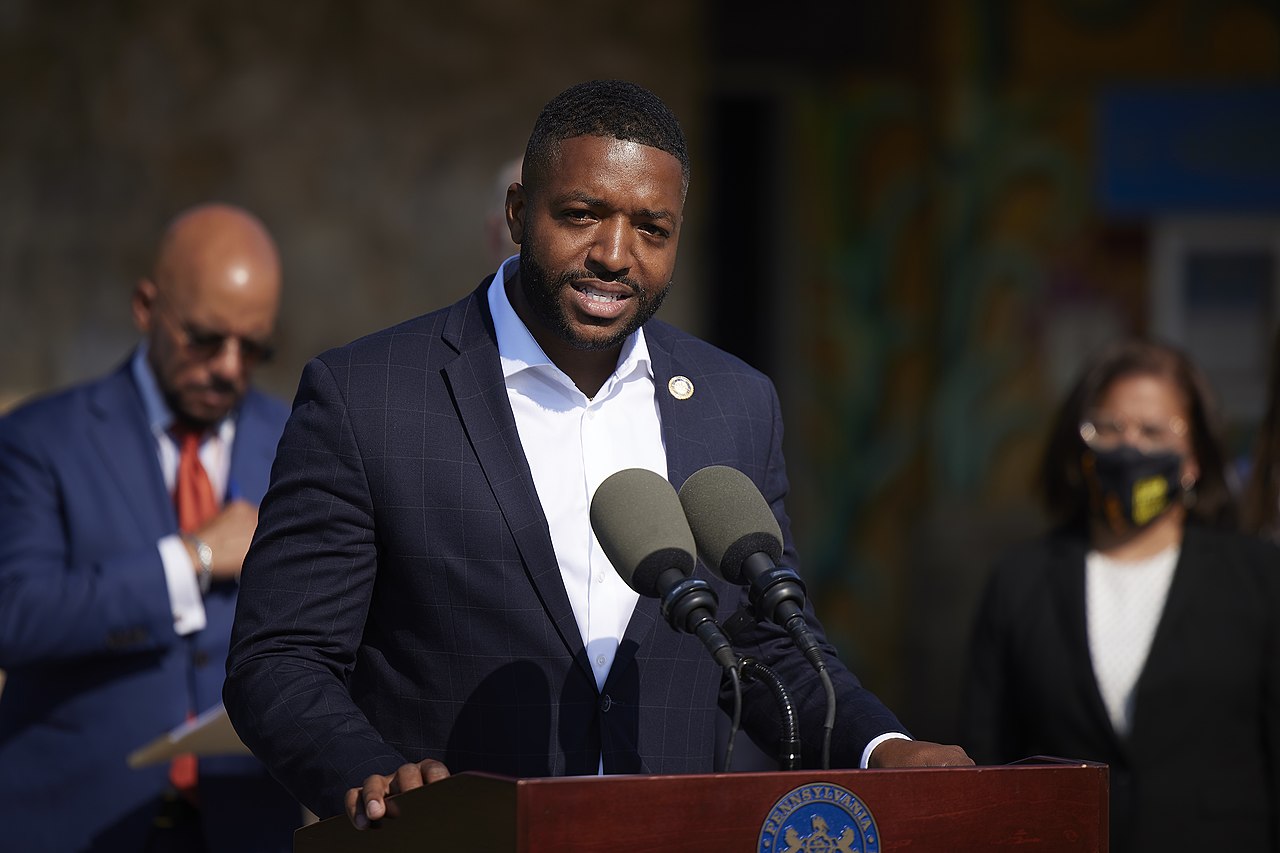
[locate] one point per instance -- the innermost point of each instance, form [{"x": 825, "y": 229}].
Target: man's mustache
[{"x": 568, "y": 278}]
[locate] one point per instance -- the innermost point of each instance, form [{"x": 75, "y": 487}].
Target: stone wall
[{"x": 366, "y": 134}]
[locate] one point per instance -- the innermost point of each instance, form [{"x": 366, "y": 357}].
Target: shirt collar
[
  {"x": 519, "y": 351},
  {"x": 158, "y": 414}
]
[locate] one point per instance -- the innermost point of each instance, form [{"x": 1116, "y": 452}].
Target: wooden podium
[{"x": 1040, "y": 805}]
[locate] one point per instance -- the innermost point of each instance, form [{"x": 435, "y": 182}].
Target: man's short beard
[
  {"x": 184, "y": 417},
  {"x": 542, "y": 293}
]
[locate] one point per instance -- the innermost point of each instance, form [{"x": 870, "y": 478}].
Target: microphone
[
  {"x": 739, "y": 539},
  {"x": 640, "y": 524}
]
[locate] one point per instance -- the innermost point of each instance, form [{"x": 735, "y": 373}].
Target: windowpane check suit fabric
[{"x": 402, "y": 599}]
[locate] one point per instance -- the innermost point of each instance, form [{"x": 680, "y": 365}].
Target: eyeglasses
[
  {"x": 1105, "y": 433},
  {"x": 204, "y": 345}
]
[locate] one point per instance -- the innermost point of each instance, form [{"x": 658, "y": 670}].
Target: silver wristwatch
[{"x": 205, "y": 555}]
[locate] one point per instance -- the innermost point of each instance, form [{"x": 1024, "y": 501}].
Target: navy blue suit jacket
[
  {"x": 94, "y": 667},
  {"x": 402, "y": 598}
]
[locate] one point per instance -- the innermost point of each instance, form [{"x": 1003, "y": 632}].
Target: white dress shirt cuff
[
  {"x": 184, "y": 591},
  {"x": 866, "y": 753}
]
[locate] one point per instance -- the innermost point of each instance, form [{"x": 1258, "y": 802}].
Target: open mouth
[
  {"x": 597, "y": 301},
  {"x": 597, "y": 295}
]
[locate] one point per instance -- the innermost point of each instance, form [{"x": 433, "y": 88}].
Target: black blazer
[
  {"x": 1199, "y": 770},
  {"x": 402, "y": 598}
]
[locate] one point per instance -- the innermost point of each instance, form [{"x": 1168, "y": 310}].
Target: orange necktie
[
  {"x": 193, "y": 493},
  {"x": 193, "y": 497}
]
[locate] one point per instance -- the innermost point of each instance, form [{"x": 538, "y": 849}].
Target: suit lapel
[
  {"x": 1185, "y": 590},
  {"x": 686, "y": 452},
  {"x": 122, "y": 438},
  {"x": 252, "y": 452},
  {"x": 480, "y": 394},
  {"x": 1067, "y": 576},
  {"x": 688, "y": 447}
]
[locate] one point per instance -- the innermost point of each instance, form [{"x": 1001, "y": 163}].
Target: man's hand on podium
[
  {"x": 369, "y": 803},
  {"x": 898, "y": 752}
]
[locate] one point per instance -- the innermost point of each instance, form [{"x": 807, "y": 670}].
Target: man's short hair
[{"x": 612, "y": 109}]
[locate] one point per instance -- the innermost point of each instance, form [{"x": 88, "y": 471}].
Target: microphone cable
[
  {"x": 732, "y": 672},
  {"x": 789, "y": 744},
  {"x": 829, "y": 723}
]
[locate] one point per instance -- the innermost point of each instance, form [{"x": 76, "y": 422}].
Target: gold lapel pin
[{"x": 681, "y": 387}]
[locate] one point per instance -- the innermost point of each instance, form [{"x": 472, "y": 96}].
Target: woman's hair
[
  {"x": 1261, "y": 505},
  {"x": 1065, "y": 492}
]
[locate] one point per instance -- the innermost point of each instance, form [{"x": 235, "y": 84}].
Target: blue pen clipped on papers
[{"x": 233, "y": 491}]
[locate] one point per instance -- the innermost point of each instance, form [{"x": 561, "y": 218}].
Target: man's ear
[
  {"x": 516, "y": 211},
  {"x": 142, "y": 304}
]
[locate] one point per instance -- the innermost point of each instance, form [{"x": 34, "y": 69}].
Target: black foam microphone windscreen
[
  {"x": 730, "y": 519},
  {"x": 638, "y": 520}
]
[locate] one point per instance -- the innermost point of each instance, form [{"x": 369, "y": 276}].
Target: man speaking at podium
[{"x": 424, "y": 594}]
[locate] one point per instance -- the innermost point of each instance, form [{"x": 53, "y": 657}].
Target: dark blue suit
[
  {"x": 94, "y": 666},
  {"x": 402, "y": 598}
]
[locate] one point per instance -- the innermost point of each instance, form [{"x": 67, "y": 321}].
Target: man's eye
[{"x": 205, "y": 340}]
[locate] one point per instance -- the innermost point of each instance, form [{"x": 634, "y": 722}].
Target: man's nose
[
  {"x": 610, "y": 252},
  {"x": 229, "y": 362}
]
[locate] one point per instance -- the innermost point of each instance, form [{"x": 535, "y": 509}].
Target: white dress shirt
[
  {"x": 573, "y": 443},
  {"x": 215, "y": 455},
  {"x": 1123, "y": 603}
]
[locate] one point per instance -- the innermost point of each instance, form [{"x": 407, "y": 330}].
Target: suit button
[{"x": 606, "y": 702}]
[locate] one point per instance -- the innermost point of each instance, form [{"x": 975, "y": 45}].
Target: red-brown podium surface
[{"x": 1040, "y": 805}]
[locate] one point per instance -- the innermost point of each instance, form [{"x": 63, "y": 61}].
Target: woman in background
[{"x": 1143, "y": 631}]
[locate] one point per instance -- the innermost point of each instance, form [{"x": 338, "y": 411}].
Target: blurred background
[{"x": 918, "y": 217}]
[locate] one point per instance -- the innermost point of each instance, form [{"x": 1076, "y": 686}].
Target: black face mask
[{"x": 1129, "y": 488}]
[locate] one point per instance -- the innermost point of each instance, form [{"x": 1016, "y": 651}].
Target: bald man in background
[
  {"x": 497, "y": 236},
  {"x": 126, "y": 507}
]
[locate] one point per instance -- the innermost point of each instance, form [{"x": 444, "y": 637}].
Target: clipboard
[{"x": 209, "y": 733}]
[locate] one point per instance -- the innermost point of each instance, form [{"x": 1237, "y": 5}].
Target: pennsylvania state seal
[{"x": 819, "y": 818}]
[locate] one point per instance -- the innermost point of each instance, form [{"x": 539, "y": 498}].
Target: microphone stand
[{"x": 789, "y": 744}]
